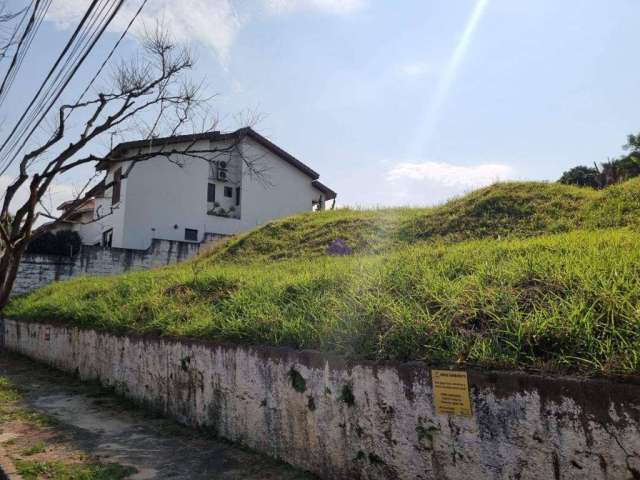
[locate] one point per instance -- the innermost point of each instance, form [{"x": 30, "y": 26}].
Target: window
[
  {"x": 212, "y": 170},
  {"x": 228, "y": 192},
  {"x": 107, "y": 238},
  {"x": 237, "y": 196},
  {"x": 190, "y": 235},
  {"x": 117, "y": 181},
  {"x": 211, "y": 197}
]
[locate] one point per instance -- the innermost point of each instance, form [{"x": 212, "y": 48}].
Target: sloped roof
[
  {"x": 87, "y": 206},
  {"x": 328, "y": 193},
  {"x": 121, "y": 149},
  {"x": 216, "y": 136}
]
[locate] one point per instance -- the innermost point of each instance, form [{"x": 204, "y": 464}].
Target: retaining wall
[
  {"x": 36, "y": 271},
  {"x": 360, "y": 420}
]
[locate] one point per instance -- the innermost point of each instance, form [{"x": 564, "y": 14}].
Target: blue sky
[{"x": 404, "y": 102}]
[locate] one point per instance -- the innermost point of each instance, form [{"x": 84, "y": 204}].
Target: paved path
[{"x": 111, "y": 429}]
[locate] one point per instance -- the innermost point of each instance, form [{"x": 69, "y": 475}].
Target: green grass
[
  {"x": 35, "y": 470},
  {"x": 531, "y": 275},
  {"x": 10, "y": 411},
  {"x": 511, "y": 209},
  {"x": 8, "y": 391},
  {"x": 34, "y": 449}
]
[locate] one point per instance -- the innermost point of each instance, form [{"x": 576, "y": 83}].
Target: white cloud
[
  {"x": 450, "y": 175},
  {"x": 213, "y": 23},
  {"x": 339, "y": 7},
  {"x": 419, "y": 184}
]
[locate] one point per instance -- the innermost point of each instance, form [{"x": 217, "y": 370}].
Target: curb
[{"x": 7, "y": 468}]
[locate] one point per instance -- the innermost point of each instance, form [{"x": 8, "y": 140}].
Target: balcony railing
[{"x": 214, "y": 208}]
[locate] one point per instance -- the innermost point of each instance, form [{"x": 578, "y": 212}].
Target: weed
[
  {"x": 376, "y": 460},
  {"x": 8, "y": 391},
  {"x": 426, "y": 433},
  {"x": 34, "y": 470},
  {"x": 34, "y": 449},
  {"x": 311, "y": 403},
  {"x": 298, "y": 382},
  {"x": 346, "y": 396}
]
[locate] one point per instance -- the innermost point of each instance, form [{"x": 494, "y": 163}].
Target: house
[
  {"x": 82, "y": 221},
  {"x": 195, "y": 198}
]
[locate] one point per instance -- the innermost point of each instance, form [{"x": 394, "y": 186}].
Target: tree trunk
[{"x": 9, "y": 263}]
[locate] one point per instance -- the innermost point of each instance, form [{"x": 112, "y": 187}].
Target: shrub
[{"x": 62, "y": 243}]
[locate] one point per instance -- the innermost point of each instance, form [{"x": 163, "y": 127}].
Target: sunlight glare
[{"x": 427, "y": 122}]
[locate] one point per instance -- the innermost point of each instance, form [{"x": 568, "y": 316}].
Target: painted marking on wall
[{"x": 451, "y": 392}]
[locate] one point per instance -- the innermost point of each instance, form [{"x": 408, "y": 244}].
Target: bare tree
[{"x": 149, "y": 93}]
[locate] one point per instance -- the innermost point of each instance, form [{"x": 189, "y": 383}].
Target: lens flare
[{"x": 427, "y": 122}]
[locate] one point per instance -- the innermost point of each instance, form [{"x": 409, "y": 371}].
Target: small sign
[{"x": 451, "y": 392}]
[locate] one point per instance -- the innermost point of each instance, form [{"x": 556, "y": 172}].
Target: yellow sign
[{"x": 451, "y": 392}]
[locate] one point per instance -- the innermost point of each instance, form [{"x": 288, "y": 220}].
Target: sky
[{"x": 404, "y": 102}]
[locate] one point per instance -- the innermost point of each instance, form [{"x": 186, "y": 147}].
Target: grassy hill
[
  {"x": 512, "y": 209},
  {"x": 514, "y": 275}
]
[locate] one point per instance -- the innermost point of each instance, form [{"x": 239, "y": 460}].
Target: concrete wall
[
  {"x": 361, "y": 420},
  {"x": 38, "y": 270},
  {"x": 160, "y": 199}
]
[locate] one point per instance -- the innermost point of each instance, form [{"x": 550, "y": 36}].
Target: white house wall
[
  {"x": 90, "y": 232},
  {"x": 107, "y": 216},
  {"x": 160, "y": 199},
  {"x": 289, "y": 191}
]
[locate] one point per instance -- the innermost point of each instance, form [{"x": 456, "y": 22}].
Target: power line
[
  {"x": 49, "y": 75},
  {"x": 68, "y": 79},
  {"x": 23, "y": 37},
  {"x": 113, "y": 50},
  {"x": 76, "y": 57},
  {"x": 18, "y": 133},
  {"x": 32, "y": 35},
  {"x": 53, "y": 95},
  {"x": 25, "y": 14},
  {"x": 58, "y": 79},
  {"x": 22, "y": 55}
]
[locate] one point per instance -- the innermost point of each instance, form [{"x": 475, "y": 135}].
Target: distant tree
[
  {"x": 582, "y": 176},
  {"x": 633, "y": 143},
  {"x": 627, "y": 167},
  {"x": 610, "y": 172}
]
